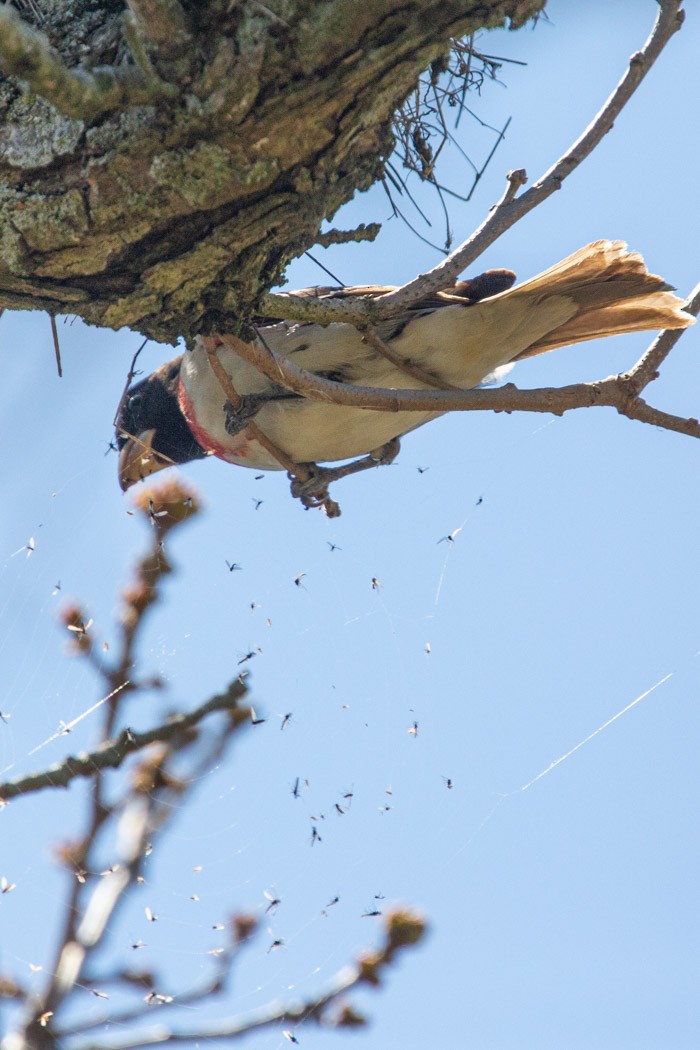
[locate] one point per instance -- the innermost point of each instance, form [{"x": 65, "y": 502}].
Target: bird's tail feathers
[{"x": 614, "y": 292}]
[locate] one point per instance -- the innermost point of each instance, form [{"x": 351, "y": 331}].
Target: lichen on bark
[{"x": 179, "y": 195}]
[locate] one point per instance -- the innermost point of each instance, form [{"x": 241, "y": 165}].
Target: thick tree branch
[{"x": 172, "y": 218}]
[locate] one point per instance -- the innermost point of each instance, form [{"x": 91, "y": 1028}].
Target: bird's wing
[{"x": 460, "y": 293}]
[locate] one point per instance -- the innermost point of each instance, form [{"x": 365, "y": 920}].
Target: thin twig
[
  {"x": 147, "y": 805},
  {"x": 129, "y": 379},
  {"x": 397, "y": 211},
  {"x": 321, "y": 266},
  {"x": 409, "y": 367},
  {"x": 403, "y": 929},
  {"x": 647, "y": 367},
  {"x": 240, "y": 934},
  {"x": 480, "y": 172},
  {"x": 309, "y": 481},
  {"x": 56, "y": 347},
  {"x": 252, "y": 430}
]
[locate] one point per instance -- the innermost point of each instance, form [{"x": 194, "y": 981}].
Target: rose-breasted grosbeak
[{"x": 458, "y": 337}]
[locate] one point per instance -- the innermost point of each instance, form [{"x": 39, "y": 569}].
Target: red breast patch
[{"x": 208, "y": 443}]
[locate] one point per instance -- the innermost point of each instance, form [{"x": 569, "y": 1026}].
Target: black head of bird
[{"x": 152, "y": 432}]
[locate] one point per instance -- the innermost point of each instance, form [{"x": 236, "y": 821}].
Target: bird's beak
[{"x": 138, "y": 459}]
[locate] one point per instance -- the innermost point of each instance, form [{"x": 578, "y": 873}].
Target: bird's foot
[
  {"x": 310, "y": 486},
  {"x": 312, "y": 490},
  {"x": 386, "y": 454}
]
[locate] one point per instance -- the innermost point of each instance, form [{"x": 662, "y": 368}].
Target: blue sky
[{"x": 563, "y": 915}]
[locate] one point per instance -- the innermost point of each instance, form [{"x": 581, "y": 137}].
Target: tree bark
[{"x": 161, "y": 165}]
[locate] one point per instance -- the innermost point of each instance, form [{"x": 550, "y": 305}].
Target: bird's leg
[
  {"x": 236, "y": 417},
  {"x": 313, "y": 492}
]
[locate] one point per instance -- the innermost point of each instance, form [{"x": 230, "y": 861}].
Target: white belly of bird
[{"x": 460, "y": 345}]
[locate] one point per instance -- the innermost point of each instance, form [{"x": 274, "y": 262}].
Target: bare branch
[
  {"x": 131, "y": 374},
  {"x": 313, "y": 491},
  {"x": 27, "y": 54},
  {"x": 620, "y": 392},
  {"x": 509, "y": 211},
  {"x": 165, "y": 509},
  {"x": 403, "y": 929},
  {"x": 240, "y": 935},
  {"x": 307, "y": 484},
  {"x": 112, "y": 753},
  {"x": 636, "y": 408},
  {"x": 506, "y": 213},
  {"x": 148, "y": 804},
  {"x": 252, "y": 429},
  {"x": 86, "y": 928},
  {"x": 480, "y": 172},
  {"x": 647, "y": 368}
]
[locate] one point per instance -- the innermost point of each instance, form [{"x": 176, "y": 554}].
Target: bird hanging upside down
[{"x": 456, "y": 338}]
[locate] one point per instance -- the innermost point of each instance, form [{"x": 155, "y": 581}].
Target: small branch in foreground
[
  {"x": 112, "y": 753},
  {"x": 235, "y": 400},
  {"x": 515, "y": 180},
  {"x": 404, "y": 929},
  {"x": 165, "y": 509},
  {"x": 241, "y": 928},
  {"x": 314, "y": 491},
  {"x": 145, "y": 808},
  {"x": 370, "y": 336},
  {"x": 179, "y": 755}
]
